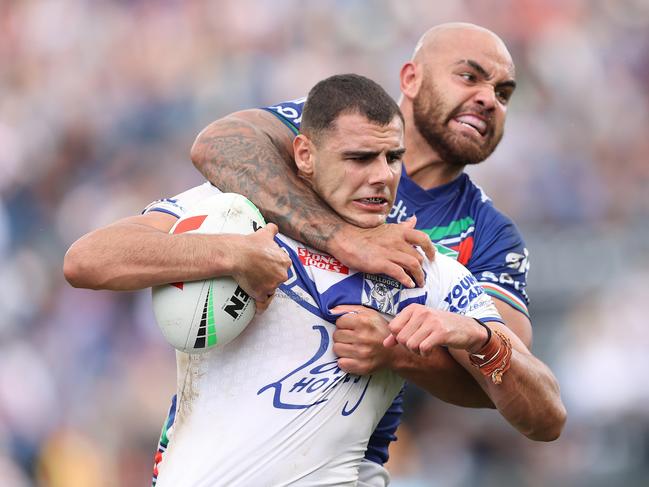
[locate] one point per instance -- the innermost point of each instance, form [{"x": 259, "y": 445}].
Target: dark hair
[{"x": 346, "y": 93}]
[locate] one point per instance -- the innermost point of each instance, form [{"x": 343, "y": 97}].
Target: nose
[
  {"x": 381, "y": 171},
  {"x": 485, "y": 96}
]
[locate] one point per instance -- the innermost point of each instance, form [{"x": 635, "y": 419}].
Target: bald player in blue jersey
[{"x": 455, "y": 93}]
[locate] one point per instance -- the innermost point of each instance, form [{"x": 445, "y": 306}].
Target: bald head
[{"x": 460, "y": 35}]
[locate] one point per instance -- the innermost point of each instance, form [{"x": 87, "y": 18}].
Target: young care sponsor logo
[
  {"x": 321, "y": 261},
  {"x": 310, "y": 384},
  {"x": 464, "y": 294}
]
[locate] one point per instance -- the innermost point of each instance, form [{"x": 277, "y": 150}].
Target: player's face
[
  {"x": 461, "y": 105},
  {"x": 357, "y": 166}
]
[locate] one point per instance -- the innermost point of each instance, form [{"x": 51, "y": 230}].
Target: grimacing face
[
  {"x": 355, "y": 167},
  {"x": 461, "y": 105}
]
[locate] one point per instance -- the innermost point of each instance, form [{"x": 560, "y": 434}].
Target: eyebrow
[
  {"x": 483, "y": 72},
  {"x": 369, "y": 154}
]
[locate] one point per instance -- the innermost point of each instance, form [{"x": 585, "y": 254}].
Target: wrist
[
  {"x": 482, "y": 338},
  {"x": 227, "y": 259},
  {"x": 339, "y": 238}
]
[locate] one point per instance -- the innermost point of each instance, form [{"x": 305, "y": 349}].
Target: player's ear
[
  {"x": 303, "y": 151},
  {"x": 410, "y": 79}
]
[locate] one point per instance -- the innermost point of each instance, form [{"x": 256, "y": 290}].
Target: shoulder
[{"x": 289, "y": 112}]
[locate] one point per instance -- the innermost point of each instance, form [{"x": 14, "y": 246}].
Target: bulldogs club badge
[{"x": 381, "y": 293}]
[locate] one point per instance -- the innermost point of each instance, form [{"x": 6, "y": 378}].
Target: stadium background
[{"x": 99, "y": 104}]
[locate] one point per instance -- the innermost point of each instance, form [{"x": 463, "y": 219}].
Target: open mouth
[
  {"x": 375, "y": 203},
  {"x": 474, "y": 122},
  {"x": 377, "y": 200}
]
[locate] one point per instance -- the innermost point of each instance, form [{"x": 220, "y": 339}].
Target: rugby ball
[{"x": 197, "y": 316}]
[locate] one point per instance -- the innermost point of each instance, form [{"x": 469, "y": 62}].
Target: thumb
[
  {"x": 411, "y": 222},
  {"x": 272, "y": 228}
]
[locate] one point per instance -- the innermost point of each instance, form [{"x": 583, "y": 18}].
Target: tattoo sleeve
[{"x": 251, "y": 153}]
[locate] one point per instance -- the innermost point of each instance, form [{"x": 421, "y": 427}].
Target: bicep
[
  {"x": 156, "y": 220},
  {"x": 240, "y": 135},
  {"x": 270, "y": 126}
]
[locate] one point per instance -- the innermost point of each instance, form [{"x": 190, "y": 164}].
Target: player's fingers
[
  {"x": 420, "y": 239},
  {"x": 344, "y": 336},
  {"x": 398, "y": 322},
  {"x": 419, "y": 335},
  {"x": 344, "y": 350},
  {"x": 348, "y": 308},
  {"x": 411, "y": 222},
  {"x": 410, "y": 261},
  {"x": 272, "y": 228},
  {"x": 428, "y": 344},
  {"x": 347, "y": 365},
  {"x": 347, "y": 321},
  {"x": 409, "y": 328},
  {"x": 390, "y": 341},
  {"x": 397, "y": 272},
  {"x": 262, "y": 305}
]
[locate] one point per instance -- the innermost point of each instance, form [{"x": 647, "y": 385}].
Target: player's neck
[{"x": 424, "y": 166}]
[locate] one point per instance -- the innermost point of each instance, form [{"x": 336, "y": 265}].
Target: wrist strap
[
  {"x": 488, "y": 332},
  {"x": 494, "y": 359}
]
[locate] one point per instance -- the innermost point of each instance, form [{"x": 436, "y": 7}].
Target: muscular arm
[
  {"x": 138, "y": 252},
  {"x": 359, "y": 337},
  {"x": 442, "y": 376},
  {"x": 358, "y": 341},
  {"x": 250, "y": 152},
  {"x": 528, "y": 396}
]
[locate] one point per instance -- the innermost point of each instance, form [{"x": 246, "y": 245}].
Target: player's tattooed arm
[{"x": 250, "y": 152}]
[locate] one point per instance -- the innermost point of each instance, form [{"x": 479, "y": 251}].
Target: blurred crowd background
[{"x": 99, "y": 104}]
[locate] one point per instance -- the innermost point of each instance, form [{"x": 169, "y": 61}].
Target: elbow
[
  {"x": 77, "y": 271},
  {"x": 72, "y": 270},
  {"x": 550, "y": 428}
]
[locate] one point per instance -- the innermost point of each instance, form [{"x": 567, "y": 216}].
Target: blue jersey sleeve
[
  {"x": 500, "y": 261},
  {"x": 289, "y": 112}
]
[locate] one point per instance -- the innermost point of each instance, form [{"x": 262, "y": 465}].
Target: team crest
[{"x": 381, "y": 293}]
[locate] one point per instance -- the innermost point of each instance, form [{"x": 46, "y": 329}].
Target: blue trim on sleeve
[{"x": 162, "y": 210}]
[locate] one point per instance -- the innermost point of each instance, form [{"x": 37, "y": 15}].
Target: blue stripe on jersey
[
  {"x": 163, "y": 210},
  {"x": 172, "y": 412},
  {"x": 347, "y": 290},
  {"x": 298, "y": 280}
]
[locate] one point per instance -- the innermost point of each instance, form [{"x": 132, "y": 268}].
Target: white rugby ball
[{"x": 197, "y": 316}]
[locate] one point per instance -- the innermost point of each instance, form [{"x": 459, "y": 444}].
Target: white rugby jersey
[{"x": 272, "y": 408}]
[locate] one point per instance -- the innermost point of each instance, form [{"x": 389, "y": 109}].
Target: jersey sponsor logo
[
  {"x": 518, "y": 262},
  {"x": 321, "y": 261},
  {"x": 462, "y": 297},
  {"x": 381, "y": 293},
  {"x": 290, "y": 110},
  {"x": 398, "y": 212},
  {"x": 310, "y": 383},
  {"x": 503, "y": 278}
]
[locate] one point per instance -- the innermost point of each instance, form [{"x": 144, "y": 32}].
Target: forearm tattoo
[{"x": 240, "y": 159}]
